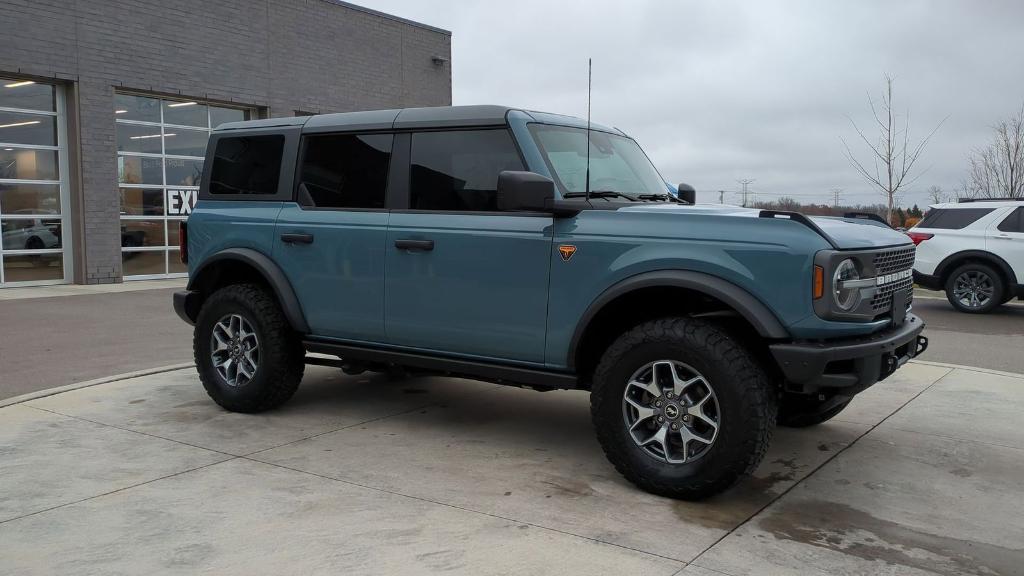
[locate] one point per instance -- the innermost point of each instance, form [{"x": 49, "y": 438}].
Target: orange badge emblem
[{"x": 566, "y": 250}]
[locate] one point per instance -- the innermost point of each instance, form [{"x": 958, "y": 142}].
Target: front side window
[
  {"x": 247, "y": 165},
  {"x": 617, "y": 164},
  {"x": 458, "y": 170},
  {"x": 953, "y": 218},
  {"x": 345, "y": 170},
  {"x": 1014, "y": 222}
]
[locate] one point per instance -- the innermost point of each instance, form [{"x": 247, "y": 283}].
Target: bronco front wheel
[{"x": 681, "y": 408}]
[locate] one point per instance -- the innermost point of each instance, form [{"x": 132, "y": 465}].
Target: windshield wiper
[
  {"x": 668, "y": 197},
  {"x": 600, "y": 194}
]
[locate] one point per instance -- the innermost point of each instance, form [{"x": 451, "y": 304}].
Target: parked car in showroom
[{"x": 974, "y": 251}]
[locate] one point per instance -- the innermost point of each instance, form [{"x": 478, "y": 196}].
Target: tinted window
[
  {"x": 1014, "y": 222},
  {"x": 952, "y": 218},
  {"x": 345, "y": 170},
  {"x": 247, "y": 165},
  {"x": 459, "y": 170}
]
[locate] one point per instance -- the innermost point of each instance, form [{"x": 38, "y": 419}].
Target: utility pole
[
  {"x": 721, "y": 196},
  {"x": 835, "y": 197},
  {"x": 745, "y": 182}
]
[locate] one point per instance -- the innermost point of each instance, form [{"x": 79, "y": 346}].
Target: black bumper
[
  {"x": 850, "y": 365},
  {"x": 186, "y": 305},
  {"x": 928, "y": 281}
]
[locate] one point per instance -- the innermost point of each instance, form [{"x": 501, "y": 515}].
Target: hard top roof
[{"x": 411, "y": 118}]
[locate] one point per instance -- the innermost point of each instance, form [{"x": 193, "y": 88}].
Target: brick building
[{"x": 105, "y": 107}]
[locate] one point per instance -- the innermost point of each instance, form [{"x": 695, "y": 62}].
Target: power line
[{"x": 835, "y": 196}]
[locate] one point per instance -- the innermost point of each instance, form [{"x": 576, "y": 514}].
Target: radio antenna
[{"x": 590, "y": 73}]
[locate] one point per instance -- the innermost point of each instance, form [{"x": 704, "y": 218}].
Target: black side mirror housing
[
  {"x": 525, "y": 192},
  {"x": 687, "y": 193}
]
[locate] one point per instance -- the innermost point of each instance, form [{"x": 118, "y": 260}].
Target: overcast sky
[{"x": 723, "y": 90}]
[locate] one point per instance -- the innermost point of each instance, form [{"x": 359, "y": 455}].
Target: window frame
[
  {"x": 391, "y": 178},
  {"x": 402, "y": 199},
  {"x": 286, "y": 176},
  {"x": 940, "y": 212}
]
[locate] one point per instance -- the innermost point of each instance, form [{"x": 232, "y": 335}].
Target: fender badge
[{"x": 566, "y": 250}]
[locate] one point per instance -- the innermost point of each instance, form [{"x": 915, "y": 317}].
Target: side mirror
[
  {"x": 687, "y": 193},
  {"x": 525, "y": 192}
]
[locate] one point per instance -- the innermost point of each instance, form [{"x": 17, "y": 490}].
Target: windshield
[{"x": 617, "y": 164}]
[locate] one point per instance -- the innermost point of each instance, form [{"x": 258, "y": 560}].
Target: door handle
[
  {"x": 424, "y": 245},
  {"x": 297, "y": 238}
]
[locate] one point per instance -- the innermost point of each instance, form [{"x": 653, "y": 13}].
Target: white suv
[{"x": 974, "y": 250}]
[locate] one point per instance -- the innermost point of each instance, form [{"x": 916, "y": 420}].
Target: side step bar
[{"x": 473, "y": 369}]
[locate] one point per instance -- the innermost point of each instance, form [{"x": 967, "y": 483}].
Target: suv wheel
[
  {"x": 681, "y": 409},
  {"x": 803, "y": 410},
  {"x": 248, "y": 358},
  {"x": 974, "y": 288}
]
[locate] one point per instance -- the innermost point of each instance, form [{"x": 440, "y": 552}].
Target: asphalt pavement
[
  {"x": 63, "y": 339},
  {"x": 994, "y": 340}
]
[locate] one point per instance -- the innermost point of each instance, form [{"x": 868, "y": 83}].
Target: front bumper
[
  {"x": 186, "y": 305},
  {"x": 850, "y": 365}
]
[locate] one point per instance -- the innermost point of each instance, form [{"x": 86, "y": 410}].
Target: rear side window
[
  {"x": 952, "y": 218},
  {"x": 345, "y": 170},
  {"x": 458, "y": 171},
  {"x": 247, "y": 165},
  {"x": 1014, "y": 222}
]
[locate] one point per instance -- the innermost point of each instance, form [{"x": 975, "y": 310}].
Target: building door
[
  {"x": 161, "y": 145},
  {"x": 34, "y": 203},
  {"x": 462, "y": 277}
]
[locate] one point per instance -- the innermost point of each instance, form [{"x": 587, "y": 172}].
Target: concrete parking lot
[{"x": 365, "y": 475}]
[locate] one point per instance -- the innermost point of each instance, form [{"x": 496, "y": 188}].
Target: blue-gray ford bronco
[{"x": 531, "y": 249}]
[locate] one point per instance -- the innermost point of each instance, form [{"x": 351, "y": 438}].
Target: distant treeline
[{"x": 901, "y": 217}]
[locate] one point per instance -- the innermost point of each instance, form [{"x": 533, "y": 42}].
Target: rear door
[
  {"x": 462, "y": 277},
  {"x": 331, "y": 239},
  {"x": 1006, "y": 240}
]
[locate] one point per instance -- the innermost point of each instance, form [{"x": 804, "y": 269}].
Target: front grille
[
  {"x": 889, "y": 262},
  {"x": 894, "y": 261}
]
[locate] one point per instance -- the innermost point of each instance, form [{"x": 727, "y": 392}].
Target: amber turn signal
[{"x": 819, "y": 282}]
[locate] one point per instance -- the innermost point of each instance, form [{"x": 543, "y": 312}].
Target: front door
[
  {"x": 462, "y": 277},
  {"x": 331, "y": 242}
]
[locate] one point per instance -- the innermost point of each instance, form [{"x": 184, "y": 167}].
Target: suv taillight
[
  {"x": 918, "y": 237},
  {"x": 183, "y": 242}
]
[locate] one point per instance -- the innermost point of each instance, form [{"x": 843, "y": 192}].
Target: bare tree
[
  {"x": 997, "y": 170},
  {"x": 892, "y": 156},
  {"x": 937, "y": 195}
]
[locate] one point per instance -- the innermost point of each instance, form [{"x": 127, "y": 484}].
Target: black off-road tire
[
  {"x": 281, "y": 361},
  {"x": 998, "y": 285},
  {"x": 803, "y": 410},
  {"x": 746, "y": 397}
]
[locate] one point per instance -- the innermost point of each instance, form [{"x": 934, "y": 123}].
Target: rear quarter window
[
  {"x": 247, "y": 165},
  {"x": 1014, "y": 222},
  {"x": 952, "y": 218}
]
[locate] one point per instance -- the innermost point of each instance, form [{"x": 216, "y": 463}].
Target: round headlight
[{"x": 846, "y": 298}]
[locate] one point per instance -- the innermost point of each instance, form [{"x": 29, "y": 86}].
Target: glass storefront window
[
  {"x": 28, "y": 164},
  {"x": 32, "y": 212},
  {"x": 161, "y": 145},
  {"x": 23, "y": 128}
]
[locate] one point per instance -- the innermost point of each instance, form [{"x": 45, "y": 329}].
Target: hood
[{"x": 845, "y": 233}]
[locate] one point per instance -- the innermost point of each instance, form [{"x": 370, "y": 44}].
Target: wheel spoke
[
  {"x": 681, "y": 385},
  {"x": 660, "y": 437},
  {"x": 649, "y": 387}
]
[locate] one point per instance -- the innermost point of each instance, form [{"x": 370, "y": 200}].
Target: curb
[
  {"x": 88, "y": 383},
  {"x": 971, "y": 368}
]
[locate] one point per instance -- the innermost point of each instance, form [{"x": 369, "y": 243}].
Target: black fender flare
[
  {"x": 949, "y": 262},
  {"x": 749, "y": 307},
  {"x": 270, "y": 271}
]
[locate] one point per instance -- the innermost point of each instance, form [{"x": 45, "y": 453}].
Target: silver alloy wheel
[
  {"x": 235, "y": 350},
  {"x": 671, "y": 411},
  {"x": 973, "y": 289}
]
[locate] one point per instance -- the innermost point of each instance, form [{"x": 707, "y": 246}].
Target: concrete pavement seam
[
  {"x": 971, "y": 368},
  {"x": 79, "y": 501},
  {"x": 95, "y": 382},
  {"x": 955, "y": 438},
  {"x": 464, "y": 509},
  {"x": 816, "y": 468}
]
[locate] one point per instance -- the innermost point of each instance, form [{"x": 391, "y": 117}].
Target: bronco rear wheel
[
  {"x": 247, "y": 355},
  {"x": 681, "y": 408}
]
